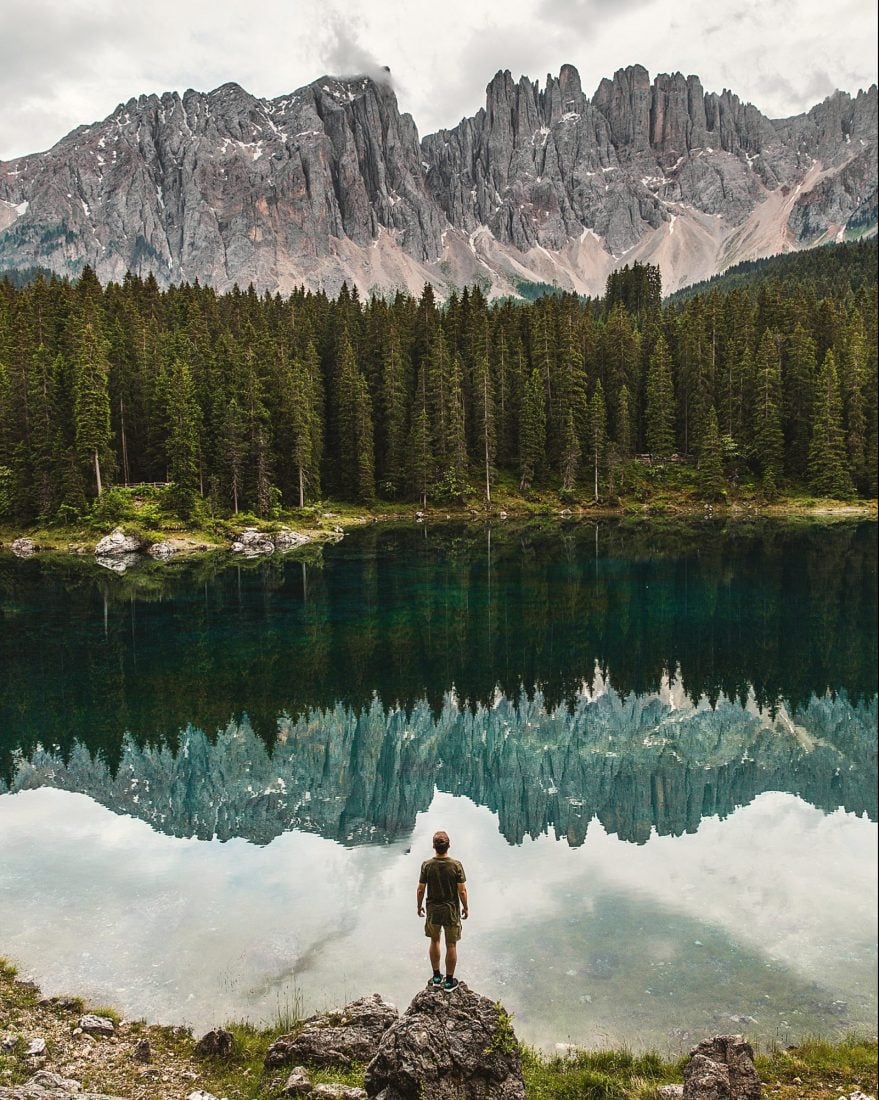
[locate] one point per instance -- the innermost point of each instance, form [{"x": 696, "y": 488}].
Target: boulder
[
  {"x": 285, "y": 539},
  {"x": 251, "y": 543},
  {"x": 448, "y": 1046},
  {"x": 215, "y": 1044},
  {"x": 298, "y": 1083},
  {"x": 336, "y": 1038},
  {"x": 143, "y": 1052},
  {"x": 161, "y": 551},
  {"x": 722, "y": 1068},
  {"x": 117, "y": 544},
  {"x": 97, "y": 1025},
  {"x": 36, "y": 1048},
  {"x": 23, "y": 548},
  {"x": 49, "y": 1086},
  {"x": 670, "y": 1092}
]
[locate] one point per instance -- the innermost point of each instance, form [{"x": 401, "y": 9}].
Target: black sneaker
[
  {"x": 450, "y": 983},
  {"x": 437, "y": 979}
]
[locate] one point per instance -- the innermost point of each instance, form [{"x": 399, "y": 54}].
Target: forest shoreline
[{"x": 331, "y": 521}]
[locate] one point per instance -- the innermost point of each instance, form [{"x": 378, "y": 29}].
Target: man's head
[{"x": 440, "y": 842}]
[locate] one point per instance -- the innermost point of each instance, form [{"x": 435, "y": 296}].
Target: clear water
[{"x": 654, "y": 749}]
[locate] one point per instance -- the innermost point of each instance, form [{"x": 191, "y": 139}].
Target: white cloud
[{"x": 66, "y": 62}]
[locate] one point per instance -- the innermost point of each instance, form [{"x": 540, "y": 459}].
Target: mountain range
[{"x": 541, "y": 186}]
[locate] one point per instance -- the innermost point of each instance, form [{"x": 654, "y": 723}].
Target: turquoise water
[{"x": 654, "y": 748}]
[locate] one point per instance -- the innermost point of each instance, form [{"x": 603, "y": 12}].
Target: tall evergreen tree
[
  {"x": 532, "y": 431},
  {"x": 91, "y": 400},
  {"x": 597, "y": 432},
  {"x": 660, "y": 403},
  {"x": 828, "y": 475},
  {"x": 710, "y": 470},
  {"x": 767, "y": 448}
]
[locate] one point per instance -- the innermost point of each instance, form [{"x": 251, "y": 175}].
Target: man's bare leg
[
  {"x": 433, "y": 952},
  {"x": 451, "y": 958}
]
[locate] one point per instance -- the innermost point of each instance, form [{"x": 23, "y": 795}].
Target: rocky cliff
[{"x": 331, "y": 183}]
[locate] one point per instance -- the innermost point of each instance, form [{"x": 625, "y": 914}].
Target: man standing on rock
[{"x": 444, "y": 880}]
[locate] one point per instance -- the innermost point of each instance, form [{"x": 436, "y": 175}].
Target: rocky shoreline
[
  {"x": 122, "y": 547},
  {"x": 454, "y": 1045}
]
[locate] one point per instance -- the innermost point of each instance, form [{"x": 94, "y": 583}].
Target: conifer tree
[
  {"x": 532, "y": 431},
  {"x": 660, "y": 403},
  {"x": 710, "y": 470},
  {"x": 363, "y": 441},
  {"x": 570, "y": 454},
  {"x": 183, "y": 438},
  {"x": 827, "y": 466},
  {"x": 393, "y": 427},
  {"x": 419, "y": 442},
  {"x": 854, "y": 399},
  {"x": 91, "y": 399},
  {"x": 597, "y": 432},
  {"x": 798, "y": 387},
  {"x": 456, "y": 442},
  {"x": 484, "y": 417},
  {"x": 767, "y": 447}
]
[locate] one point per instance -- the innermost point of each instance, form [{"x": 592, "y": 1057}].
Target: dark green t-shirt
[{"x": 442, "y": 877}]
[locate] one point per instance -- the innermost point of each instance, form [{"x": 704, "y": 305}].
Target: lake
[{"x": 653, "y": 746}]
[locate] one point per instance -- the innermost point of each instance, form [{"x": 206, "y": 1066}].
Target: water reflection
[{"x": 644, "y": 763}]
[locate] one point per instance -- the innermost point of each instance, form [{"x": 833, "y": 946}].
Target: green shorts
[{"x": 443, "y": 919}]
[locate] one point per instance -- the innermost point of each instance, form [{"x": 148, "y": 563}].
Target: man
[{"x": 444, "y": 880}]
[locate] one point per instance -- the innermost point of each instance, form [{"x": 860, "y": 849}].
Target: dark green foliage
[
  {"x": 244, "y": 401},
  {"x": 828, "y": 474}
]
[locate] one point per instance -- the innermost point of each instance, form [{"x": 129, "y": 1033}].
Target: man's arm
[
  {"x": 462, "y": 897},
  {"x": 420, "y": 898}
]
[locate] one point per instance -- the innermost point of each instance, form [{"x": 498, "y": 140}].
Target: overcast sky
[{"x": 66, "y": 62}]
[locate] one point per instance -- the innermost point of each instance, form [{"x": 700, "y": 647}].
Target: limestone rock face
[
  {"x": 447, "y": 1046},
  {"x": 722, "y": 1068},
  {"x": 331, "y": 183},
  {"x": 336, "y": 1038}
]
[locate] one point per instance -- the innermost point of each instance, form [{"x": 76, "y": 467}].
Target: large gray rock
[
  {"x": 49, "y": 1086},
  {"x": 252, "y": 543},
  {"x": 117, "y": 545},
  {"x": 217, "y": 1043},
  {"x": 336, "y": 1038},
  {"x": 97, "y": 1025},
  {"x": 447, "y": 1046},
  {"x": 722, "y": 1068},
  {"x": 23, "y": 548}
]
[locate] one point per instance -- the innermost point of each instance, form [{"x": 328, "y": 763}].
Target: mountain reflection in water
[
  {"x": 638, "y": 764},
  {"x": 649, "y": 676}
]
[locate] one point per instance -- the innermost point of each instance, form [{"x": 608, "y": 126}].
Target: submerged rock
[
  {"x": 448, "y": 1046},
  {"x": 336, "y": 1038}
]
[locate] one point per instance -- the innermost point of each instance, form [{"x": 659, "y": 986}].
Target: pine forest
[{"x": 248, "y": 403}]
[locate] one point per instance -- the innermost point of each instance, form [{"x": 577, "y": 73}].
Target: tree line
[{"x": 248, "y": 402}]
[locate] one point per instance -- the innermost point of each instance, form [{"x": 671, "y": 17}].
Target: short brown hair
[{"x": 441, "y": 842}]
